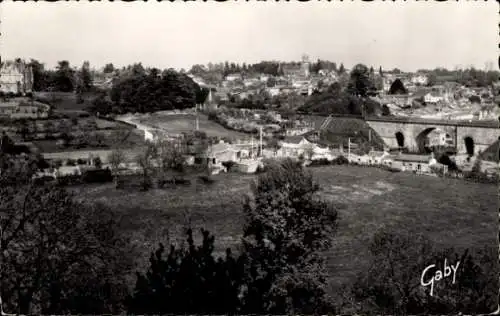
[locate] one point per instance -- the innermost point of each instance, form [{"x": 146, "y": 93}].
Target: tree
[
  {"x": 64, "y": 77},
  {"x": 144, "y": 160},
  {"x": 360, "y": 82},
  {"x": 85, "y": 78},
  {"x": 341, "y": 69},
  {"x": 286, "y": 228},
  {"x": 51, "y": 246},
  {"x": 188, "y": 280},
  {"x": 116, "y": 157},
  {"x": 41, "y": 77},
  {"x": 431, "y": 79},
  {"x": 109, "y": 68},
  {"x": 385, "y": 110},
  {"x": 392, "y": 283},
  {"x": 202, "y": 95},
  {"x": 271, "y": 82},
  {"x": 137, "y": 91},
  {"x": 198, "y": 69},
  {"x": 171, "y": 156},
  {"x": 309, "y": 152},
  {"x": 397, "y": 87}
]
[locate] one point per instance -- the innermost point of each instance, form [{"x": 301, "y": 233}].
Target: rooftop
[
  {"x": 293, "y": 139},
  {"x": 412, "y": 158}
]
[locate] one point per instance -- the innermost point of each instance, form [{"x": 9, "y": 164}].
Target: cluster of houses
[
  {"x": 448, "y": 101},
  {"x": 295, "y": 78}
]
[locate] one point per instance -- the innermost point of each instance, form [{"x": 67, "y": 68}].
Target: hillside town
[{"x": 268, "y": 132}]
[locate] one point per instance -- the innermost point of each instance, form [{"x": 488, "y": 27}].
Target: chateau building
[{"x": 16, "y": 77}]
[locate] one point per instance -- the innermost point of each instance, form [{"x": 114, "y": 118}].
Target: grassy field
[
  {"x": 451, "y": 212},
  {"x": 187, "y": 122}
]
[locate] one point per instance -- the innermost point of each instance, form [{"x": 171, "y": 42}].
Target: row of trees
[
  {"x": 64, "y": 78},
  {"x": 264, "y": 67},
  {"x": 471, "y": 76}
]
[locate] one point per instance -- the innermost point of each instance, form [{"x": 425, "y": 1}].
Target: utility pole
[
  {"x": 261, "y": 141},
  {"x": 349, "y": 148}
]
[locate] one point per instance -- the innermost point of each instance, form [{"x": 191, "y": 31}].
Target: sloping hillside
[
  {"x": 340, "y": 129},
  {"x": 491, "y": 153}
]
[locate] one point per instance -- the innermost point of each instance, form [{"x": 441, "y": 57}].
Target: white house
[
  {"x": 295, "y": 146},
  {"x": 438, "y": 137},
  {"x": 273, "y": 91},
  {"x": 250, "y": 82},
  {"x": 433, "y": 98},
  {"x": 322, "y": 153},
  {"x": 233, "y": 77},
  {"x": 420, "y": 79}
]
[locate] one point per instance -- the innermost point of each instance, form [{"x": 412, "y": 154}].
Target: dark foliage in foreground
[
  {"x": 286, "y": 229},
  {"x": 188, "y": 280},
  {"x": 58, "y": 255},
  {"x": 392, "y": 283},
  {"x": 280, "y": 269}
]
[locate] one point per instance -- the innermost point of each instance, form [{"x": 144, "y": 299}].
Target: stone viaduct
[{"x": 411, "y": 132}]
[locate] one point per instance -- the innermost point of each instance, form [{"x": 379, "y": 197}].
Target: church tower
[{"x": 305, "y": 65}]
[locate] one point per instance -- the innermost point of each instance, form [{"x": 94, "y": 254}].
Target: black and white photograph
[{"x": 249, "y": 157}]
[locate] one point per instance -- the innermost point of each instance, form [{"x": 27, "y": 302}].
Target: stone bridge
[{"x": 411, "y": 132}]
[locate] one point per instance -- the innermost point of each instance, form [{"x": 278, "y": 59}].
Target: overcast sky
[{"x": 409, "y": 35}]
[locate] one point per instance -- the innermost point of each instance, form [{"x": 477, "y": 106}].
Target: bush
[
  {"x": 43, "y": 180},
  {"x": 340, "y": 160},
  {"x": 206, "y": 179},
  {"x": 57, "y": 163},
  {"x": 97, "y": 162},
  {"x": 392, "y": 284},
  {"x": 70, "y": 162},
  {"x": 320, "y": 162},
  {"x": 81, "y": 162},
  {"x": 228, "y": 164},
  {"x": 189, "y": 279},
  {"x": 97, "y": 176},
  {"x": 69, "y": 180}
]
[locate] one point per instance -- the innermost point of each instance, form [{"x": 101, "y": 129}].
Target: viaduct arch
[{"x": 466, "y": 138}]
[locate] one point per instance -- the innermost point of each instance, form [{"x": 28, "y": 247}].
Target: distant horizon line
[{"x": 376, "y": 68}]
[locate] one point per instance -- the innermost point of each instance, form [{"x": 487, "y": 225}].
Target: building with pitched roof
[{"x": 16, "y": 77}]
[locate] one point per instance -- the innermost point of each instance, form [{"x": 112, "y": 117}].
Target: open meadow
[
  {"x": 450, "y": 212},
  {"x": 179, "y": 123}
]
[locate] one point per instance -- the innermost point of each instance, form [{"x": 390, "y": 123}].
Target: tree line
[
  {"x": 64, "y": 78},
  {"x": 469, "y": 77},
  {"x": 273, "y": 68},
  {"x": 62, "y": 255}
]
